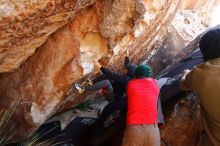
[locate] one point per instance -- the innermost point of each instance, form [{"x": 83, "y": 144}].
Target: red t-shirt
[{"x": 142, "y": 101}]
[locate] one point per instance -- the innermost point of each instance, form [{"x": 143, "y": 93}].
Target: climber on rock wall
[
  {"x": 205, "y": 81},
  {"x": 141, "y": 122},
  {"x": 112, "y": 85}
]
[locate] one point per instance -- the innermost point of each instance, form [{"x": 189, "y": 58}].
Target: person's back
[
  {"x": 142, "y": 102},
  {"x": 141, "y": 125},
  {"x": 205, "y": 81}
]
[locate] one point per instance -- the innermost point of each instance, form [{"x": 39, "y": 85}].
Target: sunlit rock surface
[
  {"x": 205, "y": 9},
  {"x": 199, "y": 4}
]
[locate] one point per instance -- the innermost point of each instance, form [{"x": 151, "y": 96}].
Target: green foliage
[
  {"x": 35, "y": 137},
  {"x": 7, "y": 131},
  {"x": 8, "y": 128}
]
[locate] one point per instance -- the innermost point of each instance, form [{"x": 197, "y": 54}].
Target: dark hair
[
  {"x": 210, "y": 44},
  {"x": 131, "y": 68}
]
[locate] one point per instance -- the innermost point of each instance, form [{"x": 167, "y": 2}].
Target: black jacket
[{"x": 119, "y": 81}]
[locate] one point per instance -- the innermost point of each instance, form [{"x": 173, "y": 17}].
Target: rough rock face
[
  {"x": 26, "y": 25},
  {"x": 183, "y": 126},
  {"x": 102, "y": 31},
  {"x": 185, "y": 27},
  {"x": 192, "y": 18},
  {"x": 41, "y": 82}
]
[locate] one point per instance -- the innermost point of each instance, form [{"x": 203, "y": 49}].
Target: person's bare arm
[{"x": 97, "y": 67}]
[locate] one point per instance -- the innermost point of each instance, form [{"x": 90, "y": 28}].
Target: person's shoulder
[
  {"x": 198, "y": 69},
  {"x": 205, "y": 68},
  {"x": 142, "y": 80},
  {"x": 151, "y": 79},
  {"x": 214, "y": 63},
  {"x": 132, "y": 81}
]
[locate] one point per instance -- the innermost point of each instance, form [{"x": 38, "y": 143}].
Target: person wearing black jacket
[
  {"x": 119, "y": 81},
  {"x": 112, "y": 85}
]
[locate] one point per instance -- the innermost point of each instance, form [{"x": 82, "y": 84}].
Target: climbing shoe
[{"x": 79, "y": 88}]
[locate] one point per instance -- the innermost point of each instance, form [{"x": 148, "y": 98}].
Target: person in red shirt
[{"x": 141, "y": 124}]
